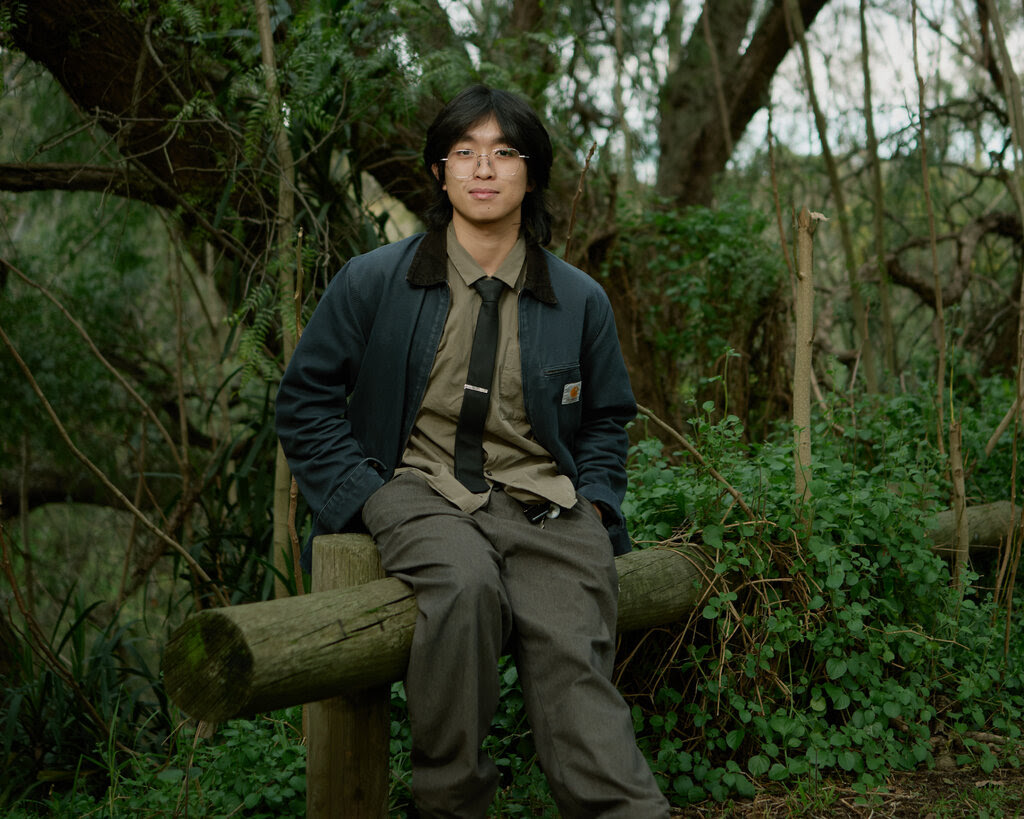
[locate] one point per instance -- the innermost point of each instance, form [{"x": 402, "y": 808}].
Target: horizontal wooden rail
[{"x": 241, "y": 660}]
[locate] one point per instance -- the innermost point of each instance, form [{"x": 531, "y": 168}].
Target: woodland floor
[{"x": 964, "y": 792}]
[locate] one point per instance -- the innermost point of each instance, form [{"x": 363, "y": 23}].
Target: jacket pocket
[{"x": 563, "y": 389}]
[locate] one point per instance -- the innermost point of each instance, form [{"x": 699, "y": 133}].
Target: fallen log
[
  {"x": 989, "y": 525},
  {"x": 241, "y": 660}
]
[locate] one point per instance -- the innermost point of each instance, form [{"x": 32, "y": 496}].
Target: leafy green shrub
[
  {"x": 252, "y": 768},
  {"x": 711, "y": 291},
  {"x": 50, "y": 725},
  {"x": 835, "y": 646}
]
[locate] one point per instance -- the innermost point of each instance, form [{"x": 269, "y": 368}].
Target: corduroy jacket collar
[{"x": 430, "y": 266}]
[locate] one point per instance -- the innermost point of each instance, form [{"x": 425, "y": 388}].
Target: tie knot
[{"x": 489, "y": 288}]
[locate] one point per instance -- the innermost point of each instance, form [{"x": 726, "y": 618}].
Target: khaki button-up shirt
[{"x": 513, "y": 458}]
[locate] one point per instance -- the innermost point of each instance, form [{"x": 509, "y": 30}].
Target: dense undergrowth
[{"x": 830, "y": 641}]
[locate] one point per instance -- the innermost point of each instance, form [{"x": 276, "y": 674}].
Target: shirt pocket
[{"x": 511, "y": 403}]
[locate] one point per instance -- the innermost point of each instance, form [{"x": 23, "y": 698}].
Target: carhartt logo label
[{"x": 571, "y": 392}]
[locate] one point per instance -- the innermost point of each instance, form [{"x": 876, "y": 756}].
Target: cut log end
[{"x": 208, "y": 667}]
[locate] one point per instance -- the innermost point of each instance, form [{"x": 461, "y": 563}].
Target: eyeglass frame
[{"x": 490, "y": 161}]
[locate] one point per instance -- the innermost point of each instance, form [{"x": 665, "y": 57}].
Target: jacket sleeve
[
  {"x": 330, "y": 468},
  {"x": 602, "y": 443}
]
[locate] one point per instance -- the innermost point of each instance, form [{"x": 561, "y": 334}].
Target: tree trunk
[
  {"x": 693, "y": 150},
  {"x": 224, "y": 663}
]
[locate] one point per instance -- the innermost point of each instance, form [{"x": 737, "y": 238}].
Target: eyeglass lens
[{"x": 505, "y": 161}]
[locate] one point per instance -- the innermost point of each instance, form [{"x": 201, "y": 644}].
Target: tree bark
[
  {"x": 284, "y": 234},
  {"x": 347, "y": 736},
  {"x": 223, "y": 663},
  {"x": 967, "y": 241},
  {"x": 802, "y": 372},
  {"x": 72, "y": 176},
  {"x": 989, "y": 526}
]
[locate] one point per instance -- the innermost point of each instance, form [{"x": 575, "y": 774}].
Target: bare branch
[{"x": 69, "y": 176}]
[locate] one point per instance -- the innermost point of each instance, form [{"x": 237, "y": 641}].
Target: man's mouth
[{"x": 483, "y": 193}]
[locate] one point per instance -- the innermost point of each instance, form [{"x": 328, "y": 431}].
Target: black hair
[{"x": 524, "y": 131}]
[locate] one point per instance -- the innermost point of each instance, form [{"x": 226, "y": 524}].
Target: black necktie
[{"x": 469, "y": 441}]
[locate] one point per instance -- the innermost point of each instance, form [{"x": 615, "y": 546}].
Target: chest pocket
[{"x": 563, "y": 389}]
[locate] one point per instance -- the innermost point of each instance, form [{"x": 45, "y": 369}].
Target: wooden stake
[
  {"x": 806, "y": 222},
  {"x": 347, "y": 736}
]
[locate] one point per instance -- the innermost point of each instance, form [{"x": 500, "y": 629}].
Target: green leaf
[
  {"x": 171, "y": 775},
  {"x": 835, "y": 667},
  {"x": 712, "y": 534},
  {"x": 758, "y": 765}
]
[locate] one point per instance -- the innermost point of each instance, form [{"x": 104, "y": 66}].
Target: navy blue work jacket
[{"x": 350, "y": 395}]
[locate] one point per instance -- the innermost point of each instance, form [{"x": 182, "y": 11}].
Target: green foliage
[
  {"x": 842, "y": 648},
  {"x": 710, "y": 284},
  {"x": 105, "y": 290},
  {"x": 260, "y": 306},
  {"x": 251, "y": 768},
  {"x": 232, "y": 535},
  {"x": 523, "y": 790},
  {"x": 104, "y": 695},
  {"x": 11, "y": 14},
  {"x": 711, "y": 266},
  {"x": 837, "y": 649},
  {"x": 988, "y": 476}
]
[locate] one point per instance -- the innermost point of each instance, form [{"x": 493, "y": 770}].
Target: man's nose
[{"x": 480, "y": 166}]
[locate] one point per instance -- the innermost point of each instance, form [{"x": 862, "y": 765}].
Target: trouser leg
[
  {"x": 562, "y": 586},
  {"x": 452, "y": 683}
]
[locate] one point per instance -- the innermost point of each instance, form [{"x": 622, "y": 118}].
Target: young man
[{"x": 494, "y": 493}]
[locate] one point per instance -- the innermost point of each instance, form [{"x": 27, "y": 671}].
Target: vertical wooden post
[
  {"x": 347, "y": 736},
  {"x": 802, "y": 364}
]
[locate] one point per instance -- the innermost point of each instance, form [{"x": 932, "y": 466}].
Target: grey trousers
[{"x": 492, "y": 582}]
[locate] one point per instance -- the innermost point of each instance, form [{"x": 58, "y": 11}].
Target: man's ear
[{"x": 437, "y": 174}]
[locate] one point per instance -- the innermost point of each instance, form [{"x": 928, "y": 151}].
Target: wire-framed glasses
[{"x": 504, "y": 162}]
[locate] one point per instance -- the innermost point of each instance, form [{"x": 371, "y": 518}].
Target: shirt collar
[
  {"x": 429, "y": 267},
  {"x": 509, "y": 271}
]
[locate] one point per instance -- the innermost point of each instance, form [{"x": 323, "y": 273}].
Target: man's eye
[
  {"x": 506, "y": 153},
  {"x": 463, "y": 153}
]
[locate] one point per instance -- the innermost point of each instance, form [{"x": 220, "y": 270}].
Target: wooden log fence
[{"x": 340, "y": 648}]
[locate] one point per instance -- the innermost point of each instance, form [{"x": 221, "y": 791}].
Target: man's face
[{"x": 489, "y": 198}]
